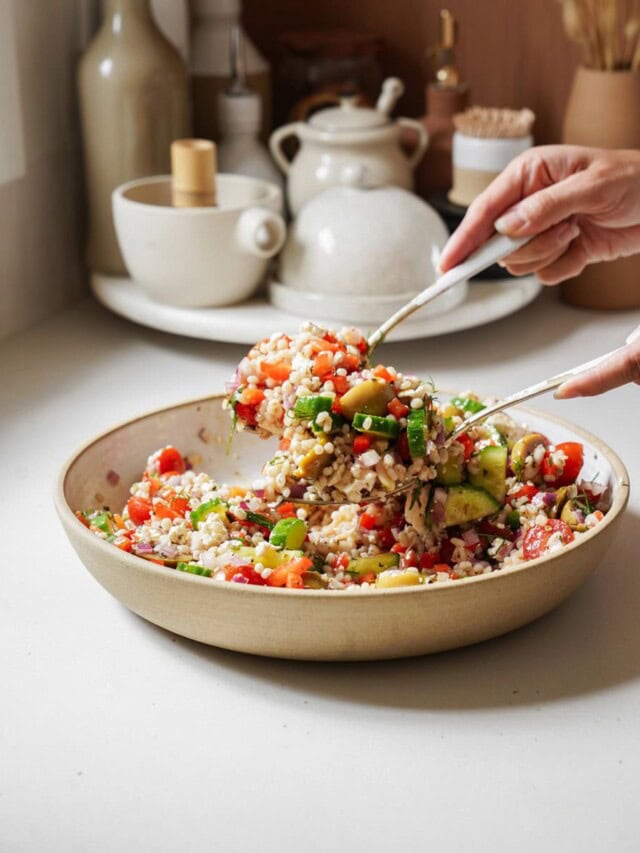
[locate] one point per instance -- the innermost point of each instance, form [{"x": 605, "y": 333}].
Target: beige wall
[{"x": 41, "y": 226}]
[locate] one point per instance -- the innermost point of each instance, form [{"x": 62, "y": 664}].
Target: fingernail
[
  {"x": 510, "y": 222},
  {"x": 502, "y": 264},
  {"x": 563, "y": 393}
]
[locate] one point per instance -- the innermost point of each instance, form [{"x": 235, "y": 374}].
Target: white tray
[{"x": 250, "y": 321}]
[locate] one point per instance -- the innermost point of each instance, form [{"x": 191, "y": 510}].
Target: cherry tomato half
[
  {"x": 536, "y": 539},
  {"x": 566, "y": 474},
  {"x": 139, "y": 510}
]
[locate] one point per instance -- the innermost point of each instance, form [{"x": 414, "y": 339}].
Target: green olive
[
  {"x": 523, "y": 448},
  {"x": 572, "y": 514},
  {"x": 564, "y": 494},
  {"x": 314, "y": 580},
  {"x": 370, "y": 397},
  {"x": 312, "y": 463}
]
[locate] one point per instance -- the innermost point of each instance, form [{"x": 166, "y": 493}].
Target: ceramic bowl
[
  {"x": 310, "y": 624},
  {"x": 199, "y": 257}
]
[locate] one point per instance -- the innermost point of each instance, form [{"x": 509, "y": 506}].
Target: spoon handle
[
  {"x": 529, "y": 393},
  {"x": 496, "y": 248}
]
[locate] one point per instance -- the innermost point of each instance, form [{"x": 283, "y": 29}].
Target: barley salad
[{"x": 351, "y": 431}]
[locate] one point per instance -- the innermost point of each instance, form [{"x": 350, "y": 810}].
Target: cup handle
[
  {"x": 422, "y": 139},
  {"x": 275, "y": 144},
  {"x": 260, "y": 232}
]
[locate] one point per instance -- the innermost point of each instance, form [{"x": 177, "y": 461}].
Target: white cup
[{"x": 199, "y": 256}]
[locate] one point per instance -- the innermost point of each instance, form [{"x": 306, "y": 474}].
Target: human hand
[
  {"x": 580, "y": 205},
  {"x": 617, "y": 370}
]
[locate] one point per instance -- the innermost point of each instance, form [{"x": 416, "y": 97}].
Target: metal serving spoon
[{"x": 494, "y": 250}]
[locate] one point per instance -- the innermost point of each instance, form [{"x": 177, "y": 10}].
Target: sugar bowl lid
[{"x": 349, "y": 116}]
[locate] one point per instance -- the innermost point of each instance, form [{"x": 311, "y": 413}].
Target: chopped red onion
[
  {"x": 470, "y": 538},
  {"x": 169, "y": 550},
  {"x": 143, "y": 548},
  {"x": 239, "y": 578},
  {"x": 297, "y": 490}
]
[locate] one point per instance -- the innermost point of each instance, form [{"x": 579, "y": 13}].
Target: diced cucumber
[
  {"x": 467, "y": 503},
  {"x": 337, "y": 421},
  {"x": 270, "y": 557},
  {"x": 103, "y": 521},
  {"x": 375, "y": 425},
  {"x": 451, "y": 472},
  {"x": 288, "y": 533},
  {"x": 467, "y": 404},
  {"x": 309, "y": 407},
  {"x": 488, "y": 470},
  {"x": 416, "y": 423},
  {"x": 194, "y": 570},
  {"x": 364, "y": 565},
  {"x": 206, "y": 508}
]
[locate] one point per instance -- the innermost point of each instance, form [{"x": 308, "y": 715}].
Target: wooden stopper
[{"x": 193, "y": 173}]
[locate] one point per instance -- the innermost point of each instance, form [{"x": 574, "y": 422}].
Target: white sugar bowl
[
  {"x": 339, "y": 140},
  {"x": 357, "y": 255}
]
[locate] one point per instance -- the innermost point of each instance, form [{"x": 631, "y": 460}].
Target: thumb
[{"x": 546, "y": 207}]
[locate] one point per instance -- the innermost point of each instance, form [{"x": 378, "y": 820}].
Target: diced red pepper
[
  {"x": 467, "y": 443},
  {"x": 179, "y": 505},
  {"x": 397, "y": 408},
  {"x": 342, "y": 561},
  {"x": 386, "y": 539},
  {"x": 161, "y": 510},
  {"x": 361, "y": 443},
  {"x": 279, "y": 371},
  {"x": 381, "y": 372},
  {"x": 398, "y": 548},
  {"x": 171, "y": 459},
  {"x": 367, "y": 522},
  {"x": 427, "y": 561},
  {"x": 340, "y": 383},
  {"x": 527, "y": 491},
  {"x": 323, "y": 364},
  {"x": 367, "y": 577},
  {"x": 251, "y": 397},
  {"x": 286, "y": 510}
]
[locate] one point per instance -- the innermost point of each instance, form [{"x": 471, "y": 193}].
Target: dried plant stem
[{"x": 607, "y": 31}]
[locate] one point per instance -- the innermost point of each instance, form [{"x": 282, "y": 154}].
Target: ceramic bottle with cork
[
  {"x": 212, "y": 24},
  {"x": 445, "y": 96},
  {"x": 134, "y": 100}
]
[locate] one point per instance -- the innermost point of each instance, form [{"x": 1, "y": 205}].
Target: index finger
[{"x": 477, "y": 225}]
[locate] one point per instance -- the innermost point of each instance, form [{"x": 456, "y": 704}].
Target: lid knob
[{"x": 392, "y": 89}]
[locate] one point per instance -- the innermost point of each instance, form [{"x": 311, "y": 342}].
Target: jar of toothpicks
[{"x": 485, "y": 141}]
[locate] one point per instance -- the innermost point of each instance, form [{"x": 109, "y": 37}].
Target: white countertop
[{"x": 116, "y": 735}]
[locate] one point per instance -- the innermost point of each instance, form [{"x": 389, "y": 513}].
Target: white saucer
[
  {"x": 250, "y": 321},
  {"x": 358, "y": 310}
]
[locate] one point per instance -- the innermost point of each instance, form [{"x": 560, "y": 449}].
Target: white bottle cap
[{"x": 239, "y": 113}]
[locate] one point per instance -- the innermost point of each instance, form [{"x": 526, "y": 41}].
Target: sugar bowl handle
[
  {"x": 422, "y": 139},
  {"x": 275, "y": 144}
]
